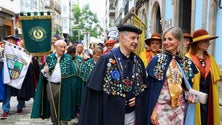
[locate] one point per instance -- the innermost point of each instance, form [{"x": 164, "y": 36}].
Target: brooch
[{"x": 115, "y": 74}]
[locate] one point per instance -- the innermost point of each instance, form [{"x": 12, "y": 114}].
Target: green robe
[
  {"x": 67, "y": 99},
  {"x": 78, "y": 62},
  {"x": 85, "y": 71}
]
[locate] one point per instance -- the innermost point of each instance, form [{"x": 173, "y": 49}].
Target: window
[{"x": 65, "y": 23}]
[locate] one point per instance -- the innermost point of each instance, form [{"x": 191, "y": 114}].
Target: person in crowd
[
  {"x": 2, "y": 46},
  {"x": 78, "y": 62},
  {"x": 8, "y": 89},
  {"x": 80, "y": 51},
  {"x": 154, "y": 44},
  {"x": 207, "y": 79},
  {"x": 34, "y": 65},
  {"x": 23, "y": 94},
  {"x": 187, "y": 40},
  {"x": 116, "y": 45},
  {"x": 77, "y": 59},
  {"x": 88, "y": 66},
  {"x": 165, "y": 96},
  {"x": 54, "y": 39},
  {"x": 91, "y": 48},
  {"x": 56, "y": 91},
  {"x": 100, "y": 45},
  {"x": 109, "y": 45},
  {"x": 36, "y": 69},
  {"x": 29, "y": 84},
  {"x": 116, "y": 89}
]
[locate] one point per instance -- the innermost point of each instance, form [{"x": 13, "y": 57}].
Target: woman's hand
[
  {"x": 192, "y": 98},
  {"x": 154, "y": 117}
]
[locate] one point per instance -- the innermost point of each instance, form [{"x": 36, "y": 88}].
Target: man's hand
[
  {"x": 46, "y": 69},
  {"x": 132, "y": 102}
]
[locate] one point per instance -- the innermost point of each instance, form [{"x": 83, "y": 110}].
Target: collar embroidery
[
  {"x": 159, "y": 68},
  {"x": 115, "y": 84},
  {"x": 64, "y": 64}
]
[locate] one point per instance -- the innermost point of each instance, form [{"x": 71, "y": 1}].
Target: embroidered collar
[
  {"x": 115, "y": 84},
  {"x": 162, "y": 63}
]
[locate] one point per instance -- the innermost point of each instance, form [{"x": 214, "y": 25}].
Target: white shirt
[{"x": 56, "y": 74}]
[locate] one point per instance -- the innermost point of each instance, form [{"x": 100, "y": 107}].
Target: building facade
[
  {"x": 157, "y": 15},
  {"x": 54, "y": 7},
  {"x": 61, "y": 15},
  {"x": 7, "y": 17}
]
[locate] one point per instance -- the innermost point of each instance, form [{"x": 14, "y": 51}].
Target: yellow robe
[
  {"x": 142, "y": 55},
  {"x": 216, "y": 74},
  {"x": 146, "y": 56}
]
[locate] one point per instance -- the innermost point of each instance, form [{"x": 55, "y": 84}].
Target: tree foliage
[{"x": 85, "y": 21}]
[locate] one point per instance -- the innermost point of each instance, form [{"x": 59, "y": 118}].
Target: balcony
[
  {"x": 112, "y": 10},
  {"x": 48, "y": 3},
  {"x": 57, "y": 7},
  {"x": 53, "y": 5}
]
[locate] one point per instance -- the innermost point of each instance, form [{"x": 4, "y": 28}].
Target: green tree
[{"x": 85, "y": 21}]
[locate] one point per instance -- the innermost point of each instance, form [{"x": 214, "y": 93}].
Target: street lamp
[
  {"x": 87, "y": 38},
  {"x": 78, "y": 35}
]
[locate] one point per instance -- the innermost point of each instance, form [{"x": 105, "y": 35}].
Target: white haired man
[{"x": 59, "y": 99}]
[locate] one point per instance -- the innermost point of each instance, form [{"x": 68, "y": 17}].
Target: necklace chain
[
  {"x": 121, "y": 67},
  {"x": 202, "y": 61}
]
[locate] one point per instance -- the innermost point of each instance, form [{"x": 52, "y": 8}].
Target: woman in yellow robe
[
  {"x": 207, "y": 79},
  {"x": 154, "y": 44}
]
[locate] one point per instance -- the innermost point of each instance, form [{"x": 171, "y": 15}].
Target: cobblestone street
[{"x": 24, "y": 118}]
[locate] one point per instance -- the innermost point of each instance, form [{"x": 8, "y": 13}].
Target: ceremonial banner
[
  {"x": 36, "y": 32},
  {"x": 16, "y": 63},
  {"x": 138, "y": 23}
]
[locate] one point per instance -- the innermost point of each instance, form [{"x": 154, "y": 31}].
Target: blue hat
[
  {"x": 100, "y": 44},
  {"x": 11, "y": 37},
  {"x": 130, "y": 28},
  {"x": 57, "y": 34},
  {"x": 79, "y": 43}
]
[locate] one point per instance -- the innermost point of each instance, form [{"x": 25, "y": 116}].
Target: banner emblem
[
  {"x": 37, "y": 33},
  {"x": 15, "y": 66}
]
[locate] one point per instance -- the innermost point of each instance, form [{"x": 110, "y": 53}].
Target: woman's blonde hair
[{"x": 178, "y": 34}]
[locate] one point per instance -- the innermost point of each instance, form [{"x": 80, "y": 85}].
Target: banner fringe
[{"x": 34, "y": 17}]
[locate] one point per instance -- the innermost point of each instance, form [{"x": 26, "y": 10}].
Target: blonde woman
[{"x": 166, "y": 102}]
